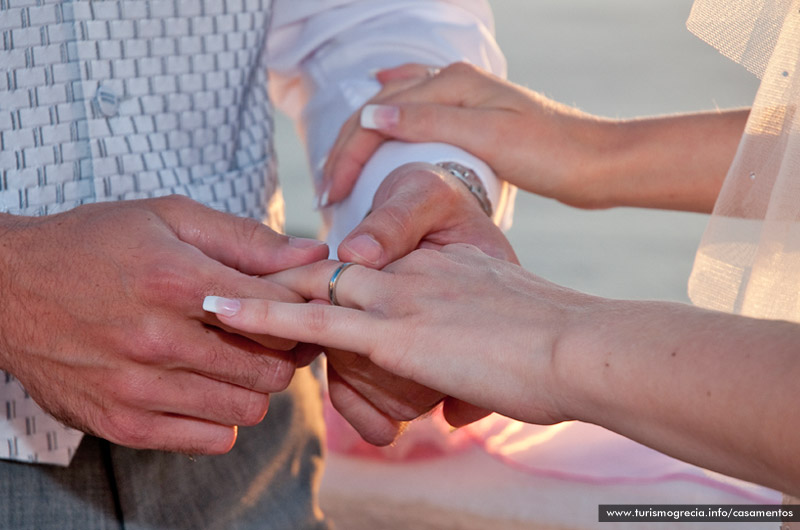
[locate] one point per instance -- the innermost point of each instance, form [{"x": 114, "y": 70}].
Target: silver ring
[
  {"x": 334, "y": 279},
  {"x": 433, "y": 71}
]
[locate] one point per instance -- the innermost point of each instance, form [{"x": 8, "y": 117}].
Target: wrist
[
  {"x": 669, "y": 162},
  {"x": 583, "y": 364},
  {"x": 593, "y": 175}
]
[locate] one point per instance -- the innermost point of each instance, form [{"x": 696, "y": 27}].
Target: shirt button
[{"x": 107, "y": 101}]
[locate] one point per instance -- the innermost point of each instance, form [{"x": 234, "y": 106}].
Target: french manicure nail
[
  {"x": 304, "y": 242},
  {"x": 366, "y": 247},
  {"x": 324, "y": 198},
  {"x": 226, "y": 307},
  {"x": 379, "y": 116}
]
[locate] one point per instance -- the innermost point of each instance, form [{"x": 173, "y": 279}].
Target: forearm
[
  {"x": 671, "y": 162},
  {"x": 709, "y": 388}
]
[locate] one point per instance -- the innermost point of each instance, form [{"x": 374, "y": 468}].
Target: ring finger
[{"x": 354, "y": 286}]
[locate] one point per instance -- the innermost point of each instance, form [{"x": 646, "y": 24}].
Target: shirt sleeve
[{"x": 321, "y": 54}]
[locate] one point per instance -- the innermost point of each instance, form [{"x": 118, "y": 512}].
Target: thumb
[
  {"x": 241, "y": 243},
  {"x": 402, "y": 216}
]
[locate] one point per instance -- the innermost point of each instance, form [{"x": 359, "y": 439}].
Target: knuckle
[
  {"x": 272, "y": 373},
  {"x": 172, "y": 203},
  {"x": 422, "y": 256},
  {"x": 251, "y": 410},
  {"x": 128, "y": 429},
  {"x": 318, "y": 321},
  {"x": 401, "y": 410},
  {"x": 282, "y": 374},
  {"x": 176, "y": 199},
  {"x": 132, "y": 389},
  {"x": 162, "y": 281},
  {"x": 460, "y": 68},
  {"x": 437, "y": 186},
  {"x": 151, "y": 344},
  {"x": 248, "y": 230},
  {"x": 426, "y": 118}
]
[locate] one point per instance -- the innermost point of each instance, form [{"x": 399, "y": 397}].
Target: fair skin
[
  {"x": 698, "y": 385},
  {"x": 417, "y": 205},
  {"x": 104, "y": 331},
  {"x": 706, "y": 387},
  {"x": 543, "y": 146},
  {"x": 101, "y": 324}
]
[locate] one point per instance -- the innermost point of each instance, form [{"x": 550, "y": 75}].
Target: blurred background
[{"x": 615, "y": 58}]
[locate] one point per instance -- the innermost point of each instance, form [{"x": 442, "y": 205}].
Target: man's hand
[
  {"x": 418, "y": 205},
  {"x": 422, "y": 205},
  {"x": 102, "y": 320}
]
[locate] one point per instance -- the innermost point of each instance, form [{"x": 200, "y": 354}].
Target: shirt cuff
[{"x": 346, "y": 215}]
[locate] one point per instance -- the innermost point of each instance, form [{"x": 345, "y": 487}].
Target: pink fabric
[{"x": 571, "y": 451}]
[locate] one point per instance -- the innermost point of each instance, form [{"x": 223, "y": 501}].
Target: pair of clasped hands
[
  {"x": 103, "y": 321},
  {"x": 403, "y": 339},
  {"x": 424, "y": 254}
]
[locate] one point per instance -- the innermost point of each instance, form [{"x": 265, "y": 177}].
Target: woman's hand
[
  {"x": 458, "y": 321},
  {"x": 417, "y": 205},
  {"x": 671, "y": 162},
  {"x": 530, "y": 141},
  {"x": 704, "y": 387}
]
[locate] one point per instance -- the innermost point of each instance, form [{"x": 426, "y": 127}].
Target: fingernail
[
  {"x": 365, "y": 247},
  {"x": 322, "y": 200},
  {"x": 227, "y": 307},
  {"x": 304, "y": 242},
  {"x": 379, "y": 116}
]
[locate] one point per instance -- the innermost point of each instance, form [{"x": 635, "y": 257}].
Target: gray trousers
[{"x": 268, "y": 481}]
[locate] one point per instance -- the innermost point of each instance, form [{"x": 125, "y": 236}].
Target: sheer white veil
[{"x": 749, "y": 258}]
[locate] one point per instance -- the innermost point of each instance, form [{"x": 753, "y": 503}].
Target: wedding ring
[
  {"x": 334, "y": 280},
  {"x": 433, "y": 71}
]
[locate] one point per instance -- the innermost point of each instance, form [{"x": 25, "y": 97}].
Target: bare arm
[
  {"x": 672, "y": 162},
  {"x": 710, "y": 388},
  {"x": 706, "y": 387}
]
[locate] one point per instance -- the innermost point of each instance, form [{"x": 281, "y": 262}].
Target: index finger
[{"x": 329, "y": 326}]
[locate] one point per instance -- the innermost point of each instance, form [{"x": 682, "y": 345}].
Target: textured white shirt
[{"x": 119, "y": 99}]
